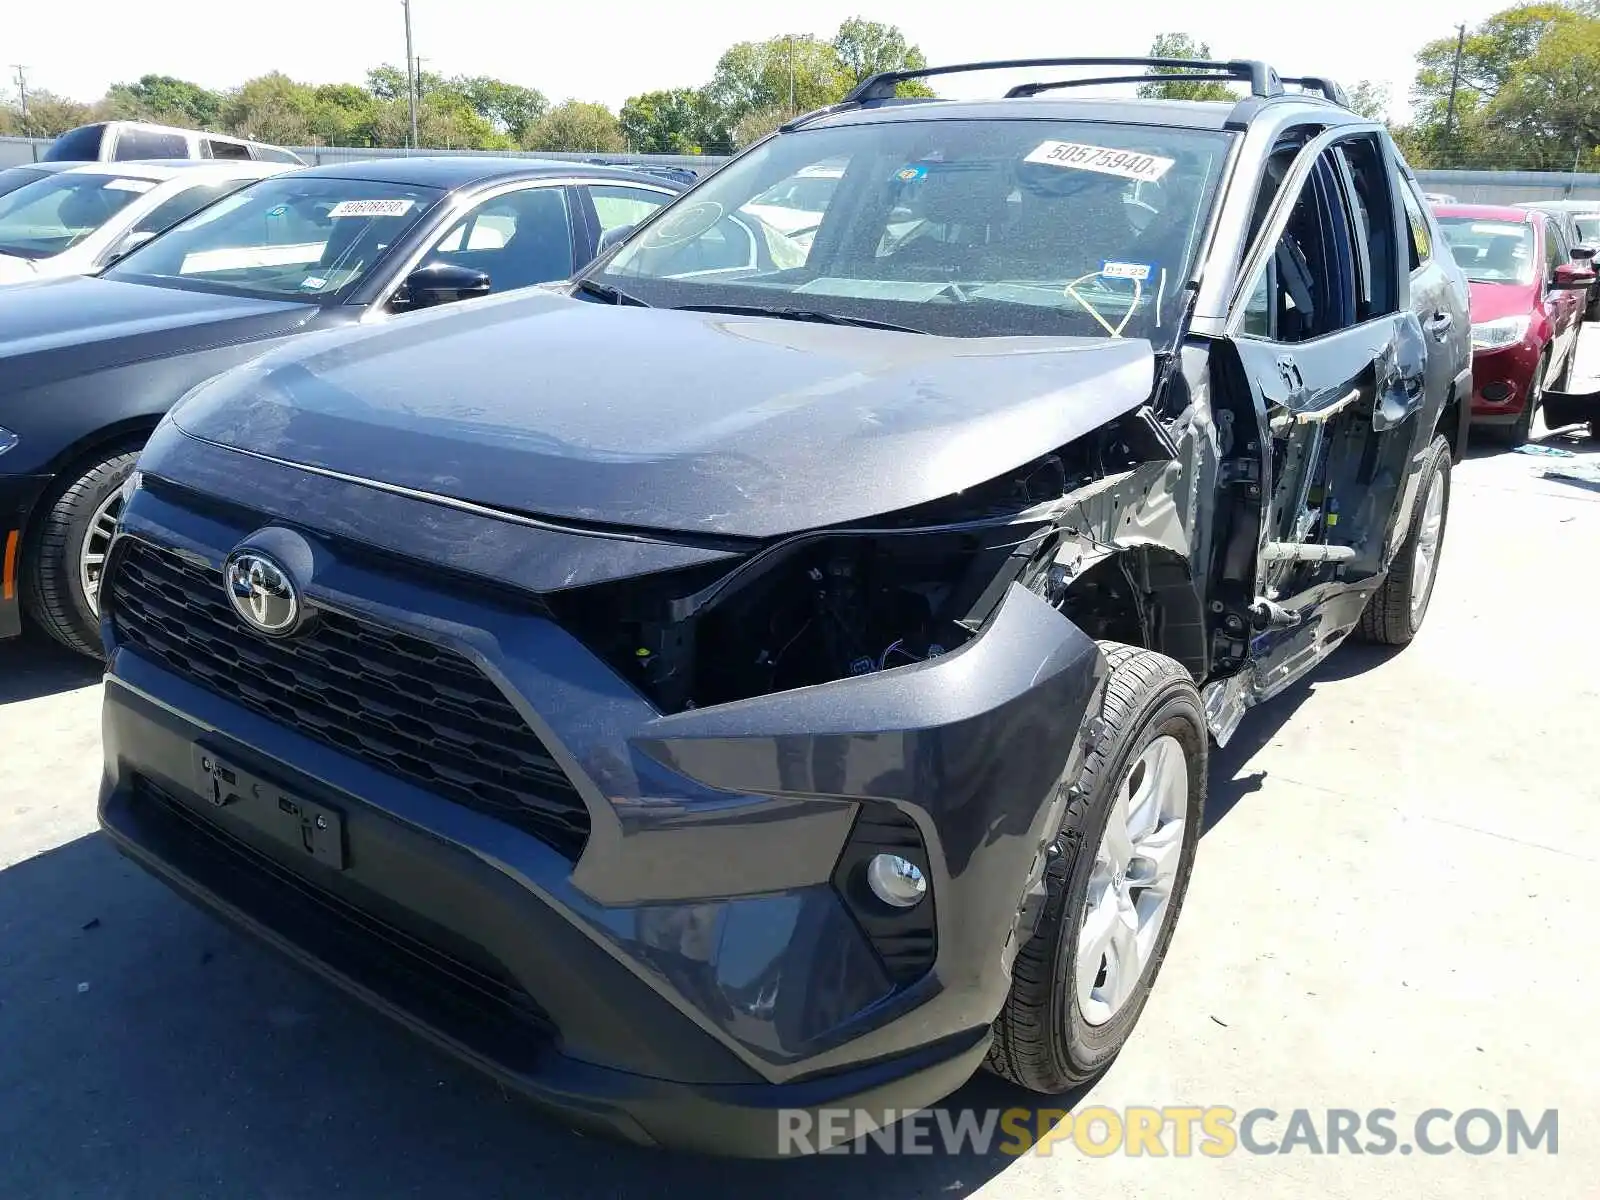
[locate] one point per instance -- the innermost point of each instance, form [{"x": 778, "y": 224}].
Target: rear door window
[
  {"x": 77, "y": 145},
  {"x": 151, "y": 143},
  {"x": 185, "y": 204},
  {"x": 519, "y": 238},
  {"x": 1308, "y": 287},
  {"x": 217, "y": 148}
]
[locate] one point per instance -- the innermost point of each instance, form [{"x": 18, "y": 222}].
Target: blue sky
[{"x": 612, "y": 50}]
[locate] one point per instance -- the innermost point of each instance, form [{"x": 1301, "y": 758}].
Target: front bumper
[
  {"x": 698, "y": 968},
  {"x": 1500, "y": 380},
  {"x": 1571, "y": 408},
  {"x": 18, "y": 495}
]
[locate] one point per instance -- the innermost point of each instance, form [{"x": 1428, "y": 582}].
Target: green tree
[
  {"x": 271, "y": 108},
  {"x": 1551, "y": 100},
  {"x": 754, "y": 126},
  {"x": 1523, "y": 98},
  {"x": 1182, "y": 45},
  {"x": 664, "y": 122},
  {"x": 166, "y": 100},
  {"x": 577, "y": 125},
  {"x": 388, "y": 82},
  {"x": 1369, "y": 99},
  {"x": 509, "y": 107},
  {"x": 794, "y": 73},
  {"x": 49, "y": 115},
  {"x": 866, "y": 47}
]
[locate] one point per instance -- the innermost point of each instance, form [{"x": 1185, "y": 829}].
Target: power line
[
  {"x": 411, "y": 74},
  {"x": 1455, "y": 81},
  {"x": 22, "y": 91}
]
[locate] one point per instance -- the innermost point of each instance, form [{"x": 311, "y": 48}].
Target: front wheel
[
  {"x": 1395, "y": 612},
  {"x": 1114, "y": 891},
  {"x": 68, "y": 553}
]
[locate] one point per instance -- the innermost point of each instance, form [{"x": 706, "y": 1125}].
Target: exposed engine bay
[{"x": 835, "y": 603}]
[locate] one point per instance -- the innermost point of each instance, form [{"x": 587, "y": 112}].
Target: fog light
[
  {"x": 1497, "y": 392},
  {"x": 896, "y": 881}
]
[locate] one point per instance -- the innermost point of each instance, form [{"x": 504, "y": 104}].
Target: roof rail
[
  {"x": 1323, "y": 86},
  {"x": 1033, "y": 89},
  {"x": 1263, "y": 80}
]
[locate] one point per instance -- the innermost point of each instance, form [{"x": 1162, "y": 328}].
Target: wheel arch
[{"x": 1144, "y": 595}]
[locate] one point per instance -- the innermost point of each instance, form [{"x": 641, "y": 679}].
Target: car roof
[
  {"x": 461, "y": 170},
  {"x": 1580, "y": 207},
  {"x": 1114, "y": 110},
  {"x": 163, "y": 169},
  {"x": 1487, "y": 212},
  {"x": 42, "y": 168}
]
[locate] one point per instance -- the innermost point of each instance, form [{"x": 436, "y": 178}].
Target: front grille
[
  {"x": 461, "y": 989},
  {"x": 397, "y": 702}
]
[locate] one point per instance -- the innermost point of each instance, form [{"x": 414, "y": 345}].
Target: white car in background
[{"x": 79, "y": 218}]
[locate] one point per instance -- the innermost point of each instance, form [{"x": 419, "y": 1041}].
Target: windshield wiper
[
  {"x": 816, "y": 316},
  {"x": 607, "y": 293}
]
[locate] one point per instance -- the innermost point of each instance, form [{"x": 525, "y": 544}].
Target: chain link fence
[{"x": 1466, "y": 187}]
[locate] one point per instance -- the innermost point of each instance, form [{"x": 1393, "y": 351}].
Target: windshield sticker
[
  {"x": 371, "y": 208},
  {"x": 277, "y": 210},
  {"x": 911, "y": 174},
  {"x": 1127, "y": 270},
  {"x": 128, "y": 185},
  {"x": 1126, "y": 164},
  {"x": 311, "y": 283}
]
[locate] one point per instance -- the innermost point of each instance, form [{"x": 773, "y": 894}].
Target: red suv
[{"x": 1527, "y": 303}]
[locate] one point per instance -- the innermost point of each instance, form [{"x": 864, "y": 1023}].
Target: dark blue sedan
[{"x": 88, "y": 366}]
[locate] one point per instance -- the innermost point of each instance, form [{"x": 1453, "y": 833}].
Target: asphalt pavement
[{"x": 1394, "y": 907}]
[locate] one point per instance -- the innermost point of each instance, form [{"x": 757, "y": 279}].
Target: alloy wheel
[{"x": 1131, "y": 883}]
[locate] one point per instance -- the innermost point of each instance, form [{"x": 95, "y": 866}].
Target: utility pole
[
  {"x": 411, "y": 74},
  {"x": 1455, "y": 82},
  {"x": 22, "y": 92}
]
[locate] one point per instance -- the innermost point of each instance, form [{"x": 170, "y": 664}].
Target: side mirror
[
  {"x": 1585, "y": 251},
  {"x": 1571, "y": 276},
  {"x": 441, "y": 283},
  {"x": 127, "y": 246},
  {"x": 612, "y": 236}
]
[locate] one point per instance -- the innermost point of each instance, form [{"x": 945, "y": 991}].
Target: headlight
[
  {"x": 812, "y": 610},
  {"x": 1492, "y": 335},
  {"x": 7, "y": 439}
]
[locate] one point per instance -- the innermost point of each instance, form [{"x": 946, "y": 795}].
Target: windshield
[
  {"x": 41, "y": 219},
  {"x": 1491, "y": 251},
  {"x": 18, "y": 177},
  {"x": 286, "y": 236},
  {"x": 964, "y": 228}
]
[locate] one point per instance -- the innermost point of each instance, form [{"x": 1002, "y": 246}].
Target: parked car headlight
[
  {"x": 8, "y": 439},
  {"x": 1492, "y": 335}
]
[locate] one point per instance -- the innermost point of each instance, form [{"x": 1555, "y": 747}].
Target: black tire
[
  {"x": 1522, "y": 430},
  {"x": 1042, "y": 1040},
  {"x": 55, "y": 597},
  {"x": 1564, "y": 380},
  {"x": 1389, "y": 618}
]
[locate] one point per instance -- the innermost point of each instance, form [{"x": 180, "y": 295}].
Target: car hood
[
  {"x": 1491, "y": 301},
  {"x": 14, "y": 268},
  {"x": 56, "y": 328},
  {"x": 669, "y": 420}
]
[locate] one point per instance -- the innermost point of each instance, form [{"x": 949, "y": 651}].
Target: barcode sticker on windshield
[
  {"x": 1127, "y": 164},
  {"x": 371, "y": 208},
  {"x": 128, "y": 185}
]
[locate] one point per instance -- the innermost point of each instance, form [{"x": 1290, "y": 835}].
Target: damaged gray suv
[{"x": 773, "y": 672}]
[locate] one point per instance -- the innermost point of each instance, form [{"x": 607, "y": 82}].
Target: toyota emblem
[{"x": 262, "y": 593}]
